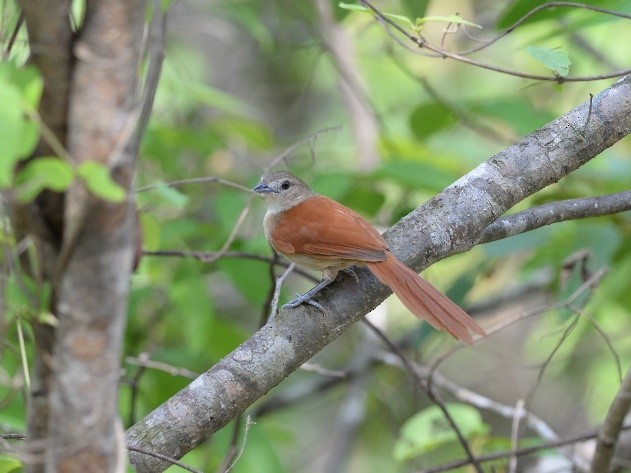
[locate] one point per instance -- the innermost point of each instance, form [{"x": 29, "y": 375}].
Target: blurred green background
[{"x": 243, "y": 81}]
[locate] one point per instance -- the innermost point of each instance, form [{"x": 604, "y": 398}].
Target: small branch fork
[{"x": 439, "y": 52}]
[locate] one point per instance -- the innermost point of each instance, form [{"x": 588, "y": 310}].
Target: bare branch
[
  {"x": 157, "y": 31},
  {"x": 439, "y": 52},
  {"x": 205, "y": 257},
  {"x": 554, "y": 212}
]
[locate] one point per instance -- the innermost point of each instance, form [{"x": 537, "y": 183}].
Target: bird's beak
[{"x": 263, "y": 189}]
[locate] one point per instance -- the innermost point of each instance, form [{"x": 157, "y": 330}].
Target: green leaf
[
  {"x": 352, "y": 7},
  {"x": 429, "y": 430},
  {"x": 42, "y": 173},
  {"x": 394, "y": 16},
  {"x": 416, "y": 175},
  {"x": 11, "y": 129},
  {"x": 151, "y": 231},
  {"x": 364, "y": 199},
  {"x": 555, "y": 59},
  {"x": 447, "y": 19},
  {"x": 27, "y": 80},
  {"x": 415, "y": 8},
  {"x": 9, "y": 464},
  {"x": 514, "y": 111},
  {"x": 216, "y": 98},
  {"x": 427, "y": 119},
  {"x": 171, "y": 195},
  {"x": 416, "y": 26},
  {"x": 20, "y": 91},
  {"x": 99, "y": 181}
]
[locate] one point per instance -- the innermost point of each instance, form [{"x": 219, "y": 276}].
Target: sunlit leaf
[
  {"x": 99, "y": 181},
  {"x": 9, "y": 464},
  {"x": 556, "y": 60},
  {"x": 393, "y": 16},
  {"x": 428, "y": 430}
]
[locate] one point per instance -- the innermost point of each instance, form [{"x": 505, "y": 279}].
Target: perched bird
[{"x": 318, "y": 233}]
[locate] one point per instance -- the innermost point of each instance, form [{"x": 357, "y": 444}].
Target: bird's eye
[{"x": 285, "y": 185}]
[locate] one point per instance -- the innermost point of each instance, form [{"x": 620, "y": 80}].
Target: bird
[{"x": 318, "y": 233}]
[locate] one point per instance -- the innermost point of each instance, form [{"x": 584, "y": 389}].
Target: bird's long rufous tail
[{"x": 424, "y": 300}]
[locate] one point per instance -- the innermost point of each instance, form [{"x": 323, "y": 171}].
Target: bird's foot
[{"x": 304, "y": 299}]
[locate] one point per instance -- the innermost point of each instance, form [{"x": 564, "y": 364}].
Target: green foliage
[
  {"x": 415, "y": 8},
  {"x": 421, "y": 124},
  {"x": 40, "y": 174},
  {"x": 428, "y": 430},
  {"x": 99, "y": 181},
  {"x": 519, "y": 8},
  {"x": 10, "y": 464},
  {"x": 416, "y": 175},
  {"x": 556, "y": 60},
  {"x": 416, "y": 25},
  {"x": 56, "y": 174},
  {"x": 227, "y": 107},
  {"x": 20, "y": 90}
]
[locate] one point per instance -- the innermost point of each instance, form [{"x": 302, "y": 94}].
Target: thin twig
[
  {"x": 195, "y": 180},
  {"x": 173, "y": 461},
  {"x": 314, "y": 368},
  {"x": 534, "y": 11},
  {"x": 233, "y": 232},
  {"x": 514, "y": 437},
  {"x": 157, "y": 31},
  {"x": 310, "y": 139},
  {"x": 13, "y": 37},
  {"x": 519, "y": 452},
  {"x": 231, "y": 451},
  {"x": 425, "y": 387},
  {"x": 144, "y": 361},
  {"x": 422, "y": 43},
  {"x": 277, "y": 287},
  {"x": 248, "y": 424},
  {"x": 205, "y": 257}
]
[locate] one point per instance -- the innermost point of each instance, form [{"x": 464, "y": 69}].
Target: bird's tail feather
[{"x": 424, "y": 300}]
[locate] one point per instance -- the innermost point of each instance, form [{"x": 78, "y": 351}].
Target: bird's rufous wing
[{"x": 323, "y": 228}]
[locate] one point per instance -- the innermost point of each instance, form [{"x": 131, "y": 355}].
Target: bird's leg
[{"x": 328, "y": 277}]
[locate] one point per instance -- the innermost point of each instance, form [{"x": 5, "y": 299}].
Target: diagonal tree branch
[{"x": 450, "y": 223}]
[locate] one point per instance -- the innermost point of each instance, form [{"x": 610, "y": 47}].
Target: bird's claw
[{"x": 304, "y": 298}]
